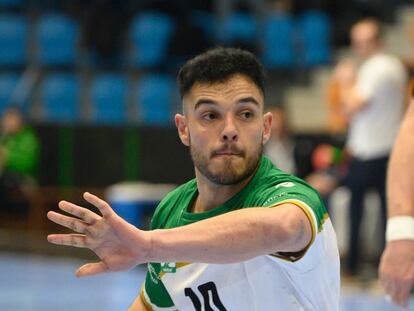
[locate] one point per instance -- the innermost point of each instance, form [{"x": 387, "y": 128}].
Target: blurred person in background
[
  {"x": 397, "y": 262},
  {"x": 280, "y": 147},
  {"x": 19, "y": 160},
  {"x": 372, "y": 98}
]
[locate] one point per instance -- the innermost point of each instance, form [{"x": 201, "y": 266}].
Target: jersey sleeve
[{"x": 297, "y": 192}]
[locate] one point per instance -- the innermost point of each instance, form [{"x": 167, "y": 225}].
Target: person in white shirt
[{"x": 373, "y": 99}]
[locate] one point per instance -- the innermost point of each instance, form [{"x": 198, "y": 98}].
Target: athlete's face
[{"x": 225, "y": 128}]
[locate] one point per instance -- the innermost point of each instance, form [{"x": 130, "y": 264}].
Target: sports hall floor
[{"x": 29, "y": 283}]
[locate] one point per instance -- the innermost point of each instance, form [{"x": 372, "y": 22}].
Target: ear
[
  {"x": 267, "y": 124},
  {"x": 181, "y": 124}
]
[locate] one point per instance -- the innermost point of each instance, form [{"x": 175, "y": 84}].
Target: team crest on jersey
[
  {"x": 153, "y": 274},
  {"x": 287, "y": 184},
  {"x": 168, "y": 267}
]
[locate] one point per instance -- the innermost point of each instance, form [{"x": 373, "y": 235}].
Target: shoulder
[
  {"x": 171, "y": 202},
  {"x": 273, "y": 179},
  {"x": 276, "y": 187},
  {"x": 28, "y": 133},
  {"x": 382, "y": 62}
]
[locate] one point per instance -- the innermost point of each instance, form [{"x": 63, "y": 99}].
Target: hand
[
  {"x": 344, "y": 73},
  {"x": 396, "y": 270},
  {"x": 118, "y": 244}
]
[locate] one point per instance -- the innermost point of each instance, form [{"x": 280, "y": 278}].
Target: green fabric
[
  {"x": 131, "y": 154},
  {"x": 22, "y": 151},
  {"x": 268, "y": 187},
  {"x": 154, "y": 287}
]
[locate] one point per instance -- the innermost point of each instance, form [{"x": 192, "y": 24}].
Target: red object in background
[{"x": 323, "y": 157}]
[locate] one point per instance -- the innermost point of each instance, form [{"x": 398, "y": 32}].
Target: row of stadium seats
[
  {"x": 108, "y": 95},
  {"x": 11, "y": 4},
  {"x": 284, "y": 40}
]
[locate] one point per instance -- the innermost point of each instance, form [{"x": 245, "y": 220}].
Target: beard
[{"x": 230, "y": 172}]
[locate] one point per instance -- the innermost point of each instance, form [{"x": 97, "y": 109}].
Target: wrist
[
  {"x": 400, "y": 228},
  {"x": 154, "y": 253}
]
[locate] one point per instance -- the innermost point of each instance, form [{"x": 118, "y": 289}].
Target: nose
[{"x": 230, "y": 133}]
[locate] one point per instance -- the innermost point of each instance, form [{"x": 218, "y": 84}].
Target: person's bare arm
[
  {"x": 232, "y": 237},
  {"x": 400, "y": 183},
  {"x": 352, "y": 101},
  {"x": 138, "y": 305},
  {"x": 397, "y": 263},
  {"x": 235, "y": 236}
]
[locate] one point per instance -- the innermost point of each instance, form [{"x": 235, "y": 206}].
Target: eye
[
  {"x": 247, "y": 114},
  {"x": 210, "y": 116}
]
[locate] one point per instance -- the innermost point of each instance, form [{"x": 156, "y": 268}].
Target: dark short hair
[{"x": 218, "y": 65}]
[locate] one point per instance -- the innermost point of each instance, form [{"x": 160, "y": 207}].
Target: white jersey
[{"x": 308, "y": 280}]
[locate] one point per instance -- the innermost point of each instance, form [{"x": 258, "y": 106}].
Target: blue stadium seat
[
  {"x": 8, "y": 82},
  {"x": 60, "y": 96},
  {"x": 238, "y": 27},
  {"x": 155, "y": 94},
  {"x": 150, "y": 34},
  {"x": 11, "y": 4},
  {"x": 13, "y": 40},
  {"x": 57, "y": 40},
  {"x": 108, "y": 98},
  {"x": 278, "y": 41},
  {"x": 315, "y": 34}
]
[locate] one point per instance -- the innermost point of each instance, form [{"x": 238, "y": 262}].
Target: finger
[
  {"x": 396, "y": 292},
  {"x": 75, "y": 224},
  {"x": 103, "y": 207},
  {"x": 78, "y": 211},
  {"x": 76, "y": 240},
  {"x": 92, "y": 269},
  {"x": 401, "y": 296}
]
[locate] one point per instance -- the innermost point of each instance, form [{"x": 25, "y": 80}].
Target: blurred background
[{"x": 87, "y": 99}]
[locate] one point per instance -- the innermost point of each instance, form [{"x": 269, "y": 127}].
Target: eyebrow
[{"x": 244, "y": 100}]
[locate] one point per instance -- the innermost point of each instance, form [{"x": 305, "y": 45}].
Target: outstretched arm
[
  {"x": 231, "y": 237},
  {"x": 397, "y": 262}
]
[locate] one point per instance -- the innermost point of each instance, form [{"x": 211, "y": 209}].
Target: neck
[{"x": 211, "y": 195}]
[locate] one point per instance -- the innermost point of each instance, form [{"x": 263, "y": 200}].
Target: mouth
[{"x": 228, "y": 153}]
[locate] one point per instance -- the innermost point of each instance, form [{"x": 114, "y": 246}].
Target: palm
[
  {"x": 118, "y": 244},
  {"x": 112, "y": 245}
]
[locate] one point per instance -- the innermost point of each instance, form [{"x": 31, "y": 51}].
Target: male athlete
[{"x": 242, "y": 235}]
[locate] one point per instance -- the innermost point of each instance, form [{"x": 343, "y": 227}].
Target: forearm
[
  {"x": 400, "y": 183},
  {"x": 351, "y": 100},
  {"x": 234, "y": 237}
]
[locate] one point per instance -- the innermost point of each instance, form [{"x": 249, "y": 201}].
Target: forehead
[
  {"x": 232, "y": 89},
  {"x": 364, "y": 31}
]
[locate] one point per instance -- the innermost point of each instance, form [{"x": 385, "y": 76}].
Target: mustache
[{"x": 233, "y": 149}]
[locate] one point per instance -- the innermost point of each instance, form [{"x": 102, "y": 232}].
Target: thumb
[{"x": 92, "y": 269}]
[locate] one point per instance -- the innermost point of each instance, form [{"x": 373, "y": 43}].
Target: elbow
[{"x": 294, "y": 232}]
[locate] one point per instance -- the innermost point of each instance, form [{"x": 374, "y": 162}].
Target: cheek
[{"x": 200, "y": 140}]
